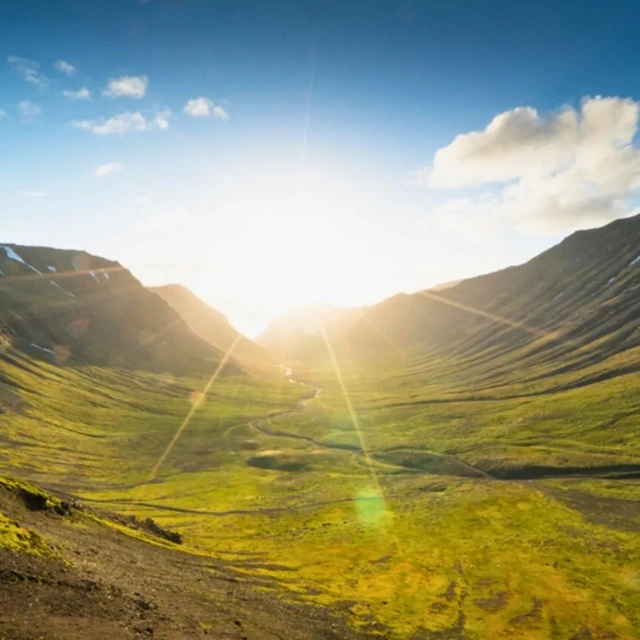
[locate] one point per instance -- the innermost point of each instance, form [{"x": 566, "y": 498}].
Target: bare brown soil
[{"x": 109, "y": 585}]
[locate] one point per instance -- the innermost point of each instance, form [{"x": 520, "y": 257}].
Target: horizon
[{"x": 320, "y": 153}]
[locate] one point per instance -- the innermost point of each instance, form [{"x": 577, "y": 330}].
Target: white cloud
[
  {"x": 514, "y": 143},
  {"x": 128, "y": 122},
  {"x": 574, "y": 169},
  {"x": 105, "y": 170},
  {"x": 34, "y": 194},
  {"x": 80, "y": 94},
  {"x": 28, "y": 109},
  {"x": 205, "y": 108},
  {"x": 65, "y": 67},
  {"x": 3, "y": 113},
  {"x": 219, "y": 113},
  {"x": 127, "y": 87},
  {"x": 30, "y": 71},
  {"x": 161, "y": 119}
]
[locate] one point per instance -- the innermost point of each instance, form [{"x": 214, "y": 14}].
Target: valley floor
[{"x": 388, "y": 506}]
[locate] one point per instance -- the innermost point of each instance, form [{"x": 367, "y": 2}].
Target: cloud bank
[{"x": 577, "y": 168}]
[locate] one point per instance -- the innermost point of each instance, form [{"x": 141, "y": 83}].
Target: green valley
[{"x": 469, "y": 479}]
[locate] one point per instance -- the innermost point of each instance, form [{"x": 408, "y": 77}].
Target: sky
[{"x": 273, "y": 153}]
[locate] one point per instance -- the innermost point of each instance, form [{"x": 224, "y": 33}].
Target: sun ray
[
  {"x": 196, "y": 405},
  {"x": 57, "y": 275},
  {"x": 350, "y": 409},
  {"x": 182, "y": 319},
  {"x": 486, "y": 314},
  {"x": 304, "y": 147}
]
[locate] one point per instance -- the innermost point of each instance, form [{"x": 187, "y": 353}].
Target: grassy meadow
[{"x": 449, "y": 509}]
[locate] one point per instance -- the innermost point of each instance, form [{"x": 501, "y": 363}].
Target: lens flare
[
  {"x": 370, "y": 507},
  {"x": 369, "y": 503}
]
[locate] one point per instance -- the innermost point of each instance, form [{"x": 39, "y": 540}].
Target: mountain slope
[
  {"x": 68, "y": 571},
  {"x": 70, "y": 306},
  {"x": 209, "y": 324},
  {"x": 576, "y": 300},
  {"x": 298, "y": 334}
]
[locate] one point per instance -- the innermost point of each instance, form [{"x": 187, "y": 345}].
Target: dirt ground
[{"x": 112, "y": 586}]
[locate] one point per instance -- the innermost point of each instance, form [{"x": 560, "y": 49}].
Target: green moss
[
  {"x": 16, "y": 538},
  {"x": 33, "y": 497}
]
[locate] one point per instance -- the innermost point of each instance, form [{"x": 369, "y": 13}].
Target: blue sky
[{"x": 271, "y": 153}]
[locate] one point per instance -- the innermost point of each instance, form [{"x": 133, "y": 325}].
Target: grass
[
  {"x": 16, "y": 538},
  {"x": 405, "y": 534}
]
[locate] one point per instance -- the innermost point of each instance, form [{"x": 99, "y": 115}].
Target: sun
[
  {"x": 298, "y": 245},
  {"x": 282, "y": 242}
]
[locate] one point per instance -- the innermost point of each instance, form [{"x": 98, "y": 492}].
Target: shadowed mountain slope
[
  {"x": 575, "y": 303},
  {"x": 209, "y": 324},
  {"x": 72, "y": 307}
]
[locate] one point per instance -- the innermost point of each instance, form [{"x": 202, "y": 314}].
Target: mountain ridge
[
  {"x": 210, "y": 324},
  {"x": 582, "y": 289},
  {"x": 73, "y": 307}
]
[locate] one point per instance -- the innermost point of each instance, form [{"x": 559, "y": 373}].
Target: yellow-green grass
[
  {"x": 384, "y": 522},
  {"x": 16, "y": 538}
]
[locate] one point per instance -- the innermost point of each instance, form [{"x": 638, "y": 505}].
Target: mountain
[
  {"x": 209, "y": 324},
  {"x": 72, "y": 307},
  {"x": 298, "y": 333},
  {"x": 578, "y": 300},
  {"x": 445, "y": 285},
  {"x": 462, "y": 462}
]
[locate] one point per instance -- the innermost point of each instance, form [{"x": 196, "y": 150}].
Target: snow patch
[
  {"x": 611, "y": 280},
  {"x": 105, "y": 274},
  {"x": 37, "y": 346},
  {"x": 51, "y": 268},
  {"x": 634, "y": 261},
  {"x": 12, "y": 255},
  {"x": 94, "y": 276},
  {"x": 559, "y": 295}
]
